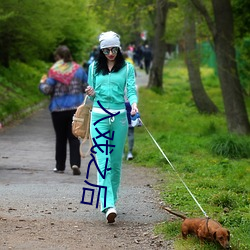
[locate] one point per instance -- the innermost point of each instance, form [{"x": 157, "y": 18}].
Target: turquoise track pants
[{"x": 110, "y": 160}]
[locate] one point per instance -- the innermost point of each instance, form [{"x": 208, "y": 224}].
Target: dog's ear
[
  {"x": 214, "y": 235},
  {"x": 228, "y": 237}
]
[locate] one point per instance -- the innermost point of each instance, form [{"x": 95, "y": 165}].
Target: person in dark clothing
[
  {"x": 147, "y": 54},
  {"x": 138, "y": 54},
  {"x": 92, "y": 57}
]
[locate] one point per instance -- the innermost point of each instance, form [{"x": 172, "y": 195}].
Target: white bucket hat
[{"x": 109, "y": 39}]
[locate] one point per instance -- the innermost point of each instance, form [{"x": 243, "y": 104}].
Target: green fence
[{"x": 208, "y": 58}]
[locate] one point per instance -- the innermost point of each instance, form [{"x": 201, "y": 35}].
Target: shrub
[{"x": 231, "y": 146}]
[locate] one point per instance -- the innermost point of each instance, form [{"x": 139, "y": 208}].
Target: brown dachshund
[{"x": 204, "y": 229}]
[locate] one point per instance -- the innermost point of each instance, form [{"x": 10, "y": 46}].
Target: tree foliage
[
  {"x": 242, "y": 34},
  {"x": 28, "y": 33},
  {"x": 241, "y": 18},
  {"x": 126, "y": 17},
  {"x": 175, "y": 25},
  {"x": 33, "y": 29}
]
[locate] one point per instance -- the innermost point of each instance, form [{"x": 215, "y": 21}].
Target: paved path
[
  {"x": 26, "y": 163},
  {"x": 31, "y": 191},
  {"x": 141, "y": 78}
]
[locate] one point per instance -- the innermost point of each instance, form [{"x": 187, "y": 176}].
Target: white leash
[{"x": 174, "y": 170}]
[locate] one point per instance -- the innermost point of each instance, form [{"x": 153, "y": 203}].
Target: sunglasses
[{"x": 106, "y": 51}]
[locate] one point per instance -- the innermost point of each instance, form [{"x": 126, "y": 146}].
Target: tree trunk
[
  {"x": 235, "y": 109},
  {"x": 159, "y": 47},
  {"x": 223, "y": 38},
  {"x": 201, "y": 99}
]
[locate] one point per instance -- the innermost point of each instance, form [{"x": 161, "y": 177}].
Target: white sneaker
[
  {"x": 129, "y": 156},
  {"x": 58, "y": 171},
  {"x": 111, "y": 214}
]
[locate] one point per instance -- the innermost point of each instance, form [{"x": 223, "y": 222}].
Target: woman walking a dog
[{"x": 108, "y": 78}]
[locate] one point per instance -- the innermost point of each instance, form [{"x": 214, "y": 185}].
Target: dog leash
[{"x": 174, "y": 169}]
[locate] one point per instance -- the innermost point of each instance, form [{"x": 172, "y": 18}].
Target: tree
[
  {"x": 126, "y": 17},
  {"x": 223, "y": 38},
  {"x": 159, "y": 46},
  {"x": 201, "y": 99},
  {"x": 28, "y": 33}
]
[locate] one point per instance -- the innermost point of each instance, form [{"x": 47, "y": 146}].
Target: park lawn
[{"x": 193, "y": 144}]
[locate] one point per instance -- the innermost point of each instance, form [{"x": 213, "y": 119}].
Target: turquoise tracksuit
[{"x": 110, "y": 132}]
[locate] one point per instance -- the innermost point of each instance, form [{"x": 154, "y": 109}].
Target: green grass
[
  {"x": 214, "y": 164},
  {"x": 19, "y": 88}
]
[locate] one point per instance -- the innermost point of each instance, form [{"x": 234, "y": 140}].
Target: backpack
[{"x": 81, "y": 125}]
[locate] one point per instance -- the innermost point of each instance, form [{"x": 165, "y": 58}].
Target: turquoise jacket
[{"x": 110, "y": 88}]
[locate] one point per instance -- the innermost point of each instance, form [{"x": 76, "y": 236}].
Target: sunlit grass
[{"x": 190, "y": 140}]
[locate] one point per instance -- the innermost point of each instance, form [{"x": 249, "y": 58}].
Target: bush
[
  {"x": 231, "y": 146},
  {"x": 19, "y": 88}
]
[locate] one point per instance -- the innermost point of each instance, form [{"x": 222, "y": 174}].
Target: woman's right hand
[
  {"x": 134, "y": 109},
  {"x": 90, "y": 91},
  {"x": 43, "y": 79}
]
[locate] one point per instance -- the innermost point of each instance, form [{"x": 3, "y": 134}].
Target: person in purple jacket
[{"x": 65, "y": 83}]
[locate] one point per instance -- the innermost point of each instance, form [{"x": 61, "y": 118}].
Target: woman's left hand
[{"x": 134, "y": 109}]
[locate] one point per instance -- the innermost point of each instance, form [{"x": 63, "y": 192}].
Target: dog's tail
[{"x": 175, "y": 213}]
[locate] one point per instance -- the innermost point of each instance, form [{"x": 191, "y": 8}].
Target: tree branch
[{"x": 202, "y": 9}]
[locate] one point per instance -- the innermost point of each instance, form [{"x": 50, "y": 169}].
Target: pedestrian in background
[
  {"x": 92, "y": 57},
  {"x": 65, "y": 83},
  {"x": 138, "y": 52},
  {"x": 108, "y": 78},
  {"x": 147, "y": 54}
]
